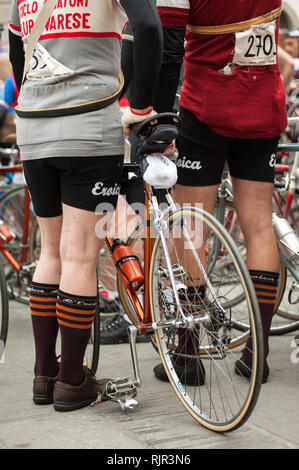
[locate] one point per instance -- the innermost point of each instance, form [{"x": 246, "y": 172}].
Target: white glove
[{"x": 130, "y": 117}]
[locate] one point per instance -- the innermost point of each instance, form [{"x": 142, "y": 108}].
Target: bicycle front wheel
[{"x": 193, "y": 317}]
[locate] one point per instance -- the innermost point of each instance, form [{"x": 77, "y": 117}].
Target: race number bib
[
  {"x": 256, "y": 46},
  {"x": 44, "y": 66}
]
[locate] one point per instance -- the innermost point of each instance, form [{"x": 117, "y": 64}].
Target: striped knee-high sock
[
  {"x": 75, "y": 317},
  {"x": 188, "y": 341},
  {"x": 265, "y": 284},
  {"x": 45, "y": 327}
]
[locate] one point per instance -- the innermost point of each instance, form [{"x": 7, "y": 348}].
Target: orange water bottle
[
  {"x": 127, "y": 264},
  {"x": 5, "y": 234}
]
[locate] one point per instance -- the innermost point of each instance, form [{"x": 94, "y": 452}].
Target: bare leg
[
  {"x": 253, "y": 203},
  {"x": 48, "y": 269},
  {"x": 79, "y": 249},
  {"x": 81, "y": 241},
  {"x": 206, "y": 197},
  {"x": 191, "y": 195}
]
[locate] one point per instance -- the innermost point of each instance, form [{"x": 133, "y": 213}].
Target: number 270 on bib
[{"x": 256, "y": 46}]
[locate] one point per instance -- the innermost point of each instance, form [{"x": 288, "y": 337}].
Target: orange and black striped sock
[
  {"x": 265, "y": 284},
  {"x": 75, "y": 316},
  {"x": 188, "y": 340},
  {"x": 45, "y": 327}
]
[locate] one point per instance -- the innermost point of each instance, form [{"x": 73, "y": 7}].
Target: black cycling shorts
[
  {"x": 89, "y": 183},
  {"x": 203, "y": 152}
]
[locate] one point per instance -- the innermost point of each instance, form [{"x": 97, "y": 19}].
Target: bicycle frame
[
  {"x": 143, "y": 312},
  {"x": 291, "y": 181}
]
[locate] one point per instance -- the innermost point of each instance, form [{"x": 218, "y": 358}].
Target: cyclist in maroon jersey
[{"x": 232, "y": 108}]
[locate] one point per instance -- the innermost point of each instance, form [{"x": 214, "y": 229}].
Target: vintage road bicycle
[
  {"x": 179, "y": 255},
  {"x": 195, "y": 331}
]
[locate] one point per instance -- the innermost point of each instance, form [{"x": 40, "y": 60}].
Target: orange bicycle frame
[{"x": 143, "y": 312}]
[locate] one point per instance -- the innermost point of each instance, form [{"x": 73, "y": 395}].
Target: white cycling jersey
[{"x": 77, "y": 60}]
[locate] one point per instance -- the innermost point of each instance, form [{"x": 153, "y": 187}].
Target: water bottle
[
  {"x": 127, "y": 265},
  {"x": 286, "y": 238},
  {"x": 5, "y": 234}
]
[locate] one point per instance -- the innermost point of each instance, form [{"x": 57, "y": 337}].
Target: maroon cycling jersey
[{"x": 231, "y": 81}]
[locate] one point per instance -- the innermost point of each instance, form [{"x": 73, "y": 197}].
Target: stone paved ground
[{"x": 159, "y": 421}]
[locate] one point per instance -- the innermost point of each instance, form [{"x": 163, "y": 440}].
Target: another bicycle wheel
[
  {"x": 92, "y": 352},
  {"x": 195, "y": 327},
  {"x": 12, "y": 213},
  {"x": 135, "y": 241},
  {"x": 286, "y": 317},
  {"x": 4, "y": 316}
]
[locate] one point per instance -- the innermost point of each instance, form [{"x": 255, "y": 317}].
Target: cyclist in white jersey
[{"x": 73, "y": 164}]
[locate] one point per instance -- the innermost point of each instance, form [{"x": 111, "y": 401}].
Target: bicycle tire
[
  {"x": 280, "y": 309},
  {"x": 4, "y": 309},
  {"x": 195, "y": 399},
  {"x": 93, "y": 348},
  {"x": 128, "y": 308},
  {"x": 124, "y": 299},
  {"x": 11, "y": 212}
]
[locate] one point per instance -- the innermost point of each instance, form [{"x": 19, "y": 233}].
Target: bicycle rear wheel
[{"x": 207, "y": 338}]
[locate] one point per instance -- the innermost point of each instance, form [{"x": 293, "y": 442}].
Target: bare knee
[
  {"x": 258, "y": 228},
  {"x": 80, "y": 257}
]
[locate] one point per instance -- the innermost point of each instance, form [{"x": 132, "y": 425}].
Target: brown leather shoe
[
  {"x": 43, "y": 389},
  {"x": 73, "y": 397}
]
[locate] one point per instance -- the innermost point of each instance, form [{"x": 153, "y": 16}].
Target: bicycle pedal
[
  {"x": 127, "y": 402},
  {"x": 123, "y": 392}
]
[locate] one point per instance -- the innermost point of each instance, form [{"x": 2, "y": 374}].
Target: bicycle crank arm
[
  {"x": 124, "y": 391},
  {"x": 132, "y": 333}
]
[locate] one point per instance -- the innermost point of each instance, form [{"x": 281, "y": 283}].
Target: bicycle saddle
[{"x": 156, "y": 133}]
